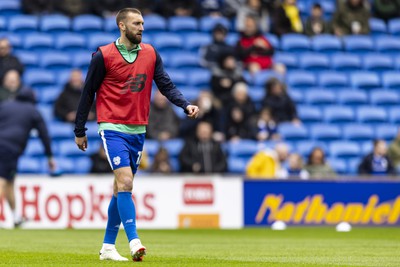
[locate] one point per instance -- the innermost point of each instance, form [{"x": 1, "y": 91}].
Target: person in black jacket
[
  {"x": 18, "y": 116},
  {"x": 202, "y": 154},
  {"x": 7, "y": 60},
  {"x": 377, "y": 162}
]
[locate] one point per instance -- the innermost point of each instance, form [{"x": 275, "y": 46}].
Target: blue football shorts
[
  {"x": 123, "y": 150},
  {"x": 8, "y": 168}
]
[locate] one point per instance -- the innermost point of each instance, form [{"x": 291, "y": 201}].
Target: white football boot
[
  {"x": 111, "y": 254},
  {"x": 137, "y": 249}
]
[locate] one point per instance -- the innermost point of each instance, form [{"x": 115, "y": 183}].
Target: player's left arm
[
  {"x": 40, "y": 126},
  {"x": 169, "y": 90}
]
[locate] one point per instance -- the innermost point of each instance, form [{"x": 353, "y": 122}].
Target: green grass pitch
[{"x": 308, "y": 246}]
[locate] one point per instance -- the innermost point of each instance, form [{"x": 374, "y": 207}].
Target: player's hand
[
  {"x": 52, "y": 164},
  {"x": 81, "y": 142},
  {"x": 192, "y": 111}
]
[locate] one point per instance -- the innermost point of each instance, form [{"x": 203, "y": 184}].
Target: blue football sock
[
  {"x": 113, "y": 222},
  {"x": 127, "y": 212}
]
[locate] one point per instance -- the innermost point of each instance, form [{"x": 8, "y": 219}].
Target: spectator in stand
[
  {"x": 164, "y": 123},
  {"x": 286, "y": 18},
  {"x": 37, "y": 7},
  {"x": 108, "y": 8},
  {"x": 12, "y": 86},
  {"x": 296, "y": 168},
  {"x": 184, "y": 8},
  {"x": 67, "y": 102},
  {"x": 202, "y": 154},
  {"x": 268, "y": 163},
  {"x": 316, "y": 24},
  {"x": 7, "y": 60},
  {"x": 394, "y": 151},
  {"x": 263, "y": 127},
  {"x": 377, "y": 162},
  {"x": 211, "y": 8},
  {"x": 279, "y": 102},
  {"x": 253, "y": 48},
  {"x": 161, "y": 162},
  {"x": 100, "y": 162},
  {"x": 72, "y": 8},
  {"x": 240, "y": 111},
  {"x": 214, "y": 51},
  {"x": 227, "y": 74},
  {"x": 316, "y": 165},
  {"x": 255, "y": 9},
  {"x": 386, "y": 9},
  {"x": 351, "y": 17}
]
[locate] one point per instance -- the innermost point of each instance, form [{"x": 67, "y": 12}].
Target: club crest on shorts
[{"x": 117, "y": 160}]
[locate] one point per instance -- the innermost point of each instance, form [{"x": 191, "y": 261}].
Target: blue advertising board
[{"x": 321, "y": 202}]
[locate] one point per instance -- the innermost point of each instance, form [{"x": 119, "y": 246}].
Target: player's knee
[{"x": 125, "y": 184}]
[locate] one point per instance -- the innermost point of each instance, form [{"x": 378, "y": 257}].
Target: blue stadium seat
[
  {"x": 38, "y": 77},
  {"x": 345, "y": 62},
  {"x": 65, "y": 165},
  {"x": 207, "y": 23},
  {"x": 320, "y": 97},
  {"x": 28, "y": 58},
  {"x": 23, "y": 23},
  {"x": 293, "y": 132},
  {"x": 15, "y": 39},
  {"x": 81, "y": 59},
  {"x": 155, "y": 24},
  {"x": 68, "y": 148},
  {"x": 30, "y": 165},
  {"x": 194, "y": 41},
  {"x": 296, "y": 95},
  {"x": 305, "y": 147},
  {"x": 49, "y": 94},
  {"x": 333, "y": 79},
  {"x": 93, "y": 131},
  {"x": 287, "y": 59},
  {"x": 370, "y": 114},
  {"x": 61, "y": 130},
  {"x": 232, "y": 38},
  {"x": 99, "y": 39},
  {"x": 168, "y": 42},
  {"x": 110, "y": 25},
  {"x": 386, "y": 132},
  {"x": 82, "y": 165},
  {"x": 391, "y": 80},
  {"x": 358, "y": 43},
  {"x": 295, "y": 43},
  {"x": 191, "y": 93},
  {"x": 10, "y": 7},
  {"x": 301, "y": 79},
  {"x": 326, "y": 43},
  {"x": 39, "y": 42},
  {"x": 182, "y": 24},
  {"x": 325, "y": 132},
  {"x": 87, "y": 24},
  {"x": 328, "y": 7},
  {"x": 173, "y": 146},
  {"x": 3, "y": 23},
  {"x": 378, "y": 62},
  {"x": 244, "y": 148},
  {"x": 55, "y": 23},
  {"x": 309, "y": 114},
  {"x": 178, "y": 77},
  {"x": 263, "y": 76},
  {"x": 394, "y": 115},
  {"x": 34, "y": 148},
  {"x": 273, "y": 40},
  {"x": 366, "y": 147},
  {"x": 63, "y": 76},
  {"x": 389, "y": 44},
  {"x": 151, "y": 147},
  {"x": 358, "y": 132},
  {"x": 335, "y": 114},
  {"x": 364, "y": 80},
  {"x": 237, "y": 165},
  {"x": 314, "y": 61},
  {"x": 200, "y": 77},
  {"x": 184, "y": 60},
  {"x": 56, "y": 60},
  {"x": 256, "y": 94},
  {"x": 70, "y": 42},
  {"x": 352, "y": 97},
  {"x": 353, "y": 165},
  {"x": 338, "y": 165},
  {"x": 377, "y": 26},
  {"x": 47, "y": 112},
  {"x": 394, "y": 26},
  {"x": 344, "y": 149},
  {"x": 384, "y": 97}
]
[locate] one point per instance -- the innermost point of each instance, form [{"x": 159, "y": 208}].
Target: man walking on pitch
[{"x": 121, "y": 74}]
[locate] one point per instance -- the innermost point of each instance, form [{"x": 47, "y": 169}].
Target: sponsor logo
[
  {"x": 134, "y": 84},
  {"x": 117, "y": 160},
  {"x": 198, "y": 221},
  {"x": 198, "y": 194}
]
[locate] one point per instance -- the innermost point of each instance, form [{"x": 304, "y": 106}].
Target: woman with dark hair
[
  {"x": 279, "y": 102},
  {"x": 316, "y": 165},
  {"x": 161, "y": 163}
]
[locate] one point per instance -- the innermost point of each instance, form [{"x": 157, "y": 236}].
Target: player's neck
[{"x": 128, "y": 44}]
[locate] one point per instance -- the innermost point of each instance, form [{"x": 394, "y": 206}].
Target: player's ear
[{"x": 122, "y": 25}]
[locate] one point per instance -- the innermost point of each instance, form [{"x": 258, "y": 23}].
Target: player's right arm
[{"x": 94, "y": 78}]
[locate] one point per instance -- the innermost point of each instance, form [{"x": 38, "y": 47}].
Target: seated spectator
[
  {"x": 239, "y": 113},
  {"x": 215, "y": 51},
  {"x": 279, "y": 102},
  {"x": 255, "y": 9},
  {"x": 163, "y": 121},
  {"x": 377, "y": 162},
  {"x": 316, "y": 165},
  {"x": 394, "y": 151},
  {"x": 263, "y": 127},
  {"x": 212, "y": 8},
  {"x": 386, "y": 9},
  {"x": 67, "y": 102},
  {"x": 287, "y": 18},
  {"x": 268, "y": 163},
  {"x": 100, "y": 163},
  {"x": 37, "y": 7},
  {"x": 72, "y": 8},
  {"x": 351, "y": 17},
  {"x": 7, "y": 60},
  {"x": 201, "y": 154},
  {"x": 224, "y": 77},
  {"x": 316, "y": 24},
  {"x": 170, "y": 8},
  {"x": 108, "y": 8},
  {"x": 11, "y": 85},
  {"x": 253, "y": 48},
  {"x": 296, "y": 168},
  {"x": 161, "y": 162}
]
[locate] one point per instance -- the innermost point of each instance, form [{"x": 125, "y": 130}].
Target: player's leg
[{"x": 10, "y": 196}]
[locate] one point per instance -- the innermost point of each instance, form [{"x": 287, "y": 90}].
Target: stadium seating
[
  {"x": 242, "y": 148},
  {"x": 387, "y": 45},
  {"x": 39, "y": 77},
  {"x": 345, "y": 62},
  {"x": 320, "y": 97},
  {"x": 358, "y": 132},
  {"x": 207, "y": 24},
  {"x": 364, "y": 80},
  {"x": 325, "y": 132},
  {"x": 55, "y": 23},
  {"x": 384, "y": 97},
  {"x": 23, "y": 23},
  {"x": 309, "y": 114},
  {"x": 338, "y": 114},
  {"x": 196, "y": 40},
  {"x": 55, "y": 60},
  {"x": 314, "y": 61},
  {"x": 39, "y": 42},
  {"x": 301, "y": 79},
  {"x": 394, "y": 26},
  {"x": 87, "y": 24},
  {"x": 386, "y": 131},
  {"x": 326, "y": 43},
  {"x": 293, "y": 132},
  {"x": 377, "y": 26},
  {"x": 344, "y": 149},
  {"x": 288, "y": 59},
  {"x": 182, "y": 24},
  {"x": 8, "y": 8},
  {"x": 331, "y": 79},
  {"x": 295, "y": 43},
  {"x": 378, "y": 62},
  {"x": 358, "y": 44}
]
